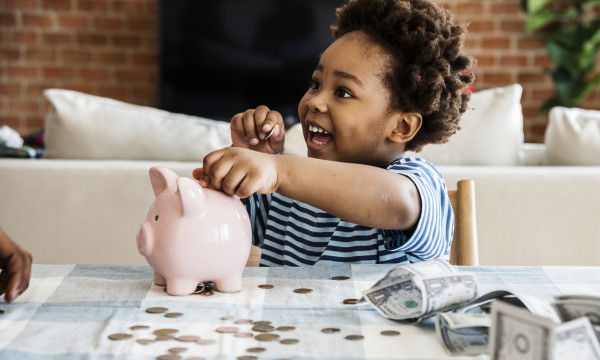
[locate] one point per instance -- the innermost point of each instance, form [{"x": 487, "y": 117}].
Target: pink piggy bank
[{"x": 193, "y": 235}]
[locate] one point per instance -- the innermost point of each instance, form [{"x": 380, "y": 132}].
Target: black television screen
[{"x": 221, "y": 57}]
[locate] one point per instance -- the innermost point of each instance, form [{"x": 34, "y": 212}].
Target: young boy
[{"x": 391, "y": 81}]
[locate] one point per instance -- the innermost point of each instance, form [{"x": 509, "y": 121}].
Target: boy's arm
[{"x": 361, "y": 194}]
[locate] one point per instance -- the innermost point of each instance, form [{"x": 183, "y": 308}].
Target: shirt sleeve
[
  {"x": 432, "y": 236},
  {"x": 258, "y": 209}
]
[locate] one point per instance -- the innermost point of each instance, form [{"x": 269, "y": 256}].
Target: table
[{"x": 69, "y": 312}]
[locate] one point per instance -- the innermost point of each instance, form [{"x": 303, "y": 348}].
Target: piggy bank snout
[{"x": 144, "y": 239}]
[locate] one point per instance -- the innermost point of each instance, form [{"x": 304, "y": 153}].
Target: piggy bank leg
[
  {"x": 159, "y": 279},
  {"x": 229, "y": 284},
  {"x": 181, "y": 286}
]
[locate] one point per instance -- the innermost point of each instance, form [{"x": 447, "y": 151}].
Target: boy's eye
[
  {"x": 343, "y": 93},
  {"x": 314, "y": 84}
]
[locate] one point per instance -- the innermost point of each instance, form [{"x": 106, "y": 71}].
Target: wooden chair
[{"x": 464, "y": 243}]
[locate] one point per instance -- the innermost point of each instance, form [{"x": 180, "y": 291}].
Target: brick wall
[{"x": 109, "y": 48}]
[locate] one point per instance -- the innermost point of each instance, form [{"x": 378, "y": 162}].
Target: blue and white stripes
[{"x": 292, "y": 233}]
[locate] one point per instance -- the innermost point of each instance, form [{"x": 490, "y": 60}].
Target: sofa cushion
[
  {"x": 82, "y": 126},
  {"x": 491, "y": 132},
  {"x": 573, "y": 137}
]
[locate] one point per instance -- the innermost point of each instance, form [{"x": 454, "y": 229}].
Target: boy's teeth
[{"x": 316, "y": 129}]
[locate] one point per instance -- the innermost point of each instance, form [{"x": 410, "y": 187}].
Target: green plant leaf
[
  {"x": 533, "y": 6},
  {"x": 542, "y": 18}
]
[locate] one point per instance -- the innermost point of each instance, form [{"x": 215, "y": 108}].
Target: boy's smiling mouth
[{"x": 318, "y": 138}]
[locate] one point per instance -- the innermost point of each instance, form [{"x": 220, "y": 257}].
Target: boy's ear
[{"x": 405, "y": 127}]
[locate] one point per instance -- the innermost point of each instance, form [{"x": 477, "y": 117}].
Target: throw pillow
[
  {"x": 573, "y": 137},
  {"x": 82, "y": 126},
  {"x": 491, "y": 132}
]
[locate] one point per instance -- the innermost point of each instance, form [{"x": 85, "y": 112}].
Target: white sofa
[{"x": 84, "y": 202}]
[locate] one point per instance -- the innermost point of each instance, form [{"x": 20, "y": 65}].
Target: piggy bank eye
[{"x": 156, "y": 218}]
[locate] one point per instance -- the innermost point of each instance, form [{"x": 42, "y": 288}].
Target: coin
[
  {"x": 227, "y": 317},
  {"x": 354, "y": 337},
  {"x": 174, "y": 315},
  {"x": 262, "y": 322},
  {"x": 390, "y": 333},
  {"x": 243, "y": 334},
  {"x": 196, "y": 358},
  {"x": 247, "y": 357},
  {"x": 227, "y": 330},
  {"x": 165, "y": 331},
  {"x": 169, "y": 357},
  {"x": 164, "y": 337},
  {"x": 330, "y": 330},
  {"x": 266, "y": 337},
  {"x": 188, "y": 338},
  {"x": 157, "y": 310},
  {"x": 303, "y": 291},
  {"x": 139, "y": 327},
  {"x": 263, "y": 328},
  {"x": 289, "y": 341},
  {"x": 256, "y": 350},
  {"x": 206, "y": 341},
  {"x": 285, "y": 328},
  {"x": 266, "y": 286},
  {"x": 242, "y": 321},
  {"x": 120, "y": 336},
  {"x": 177, "y": 350},
  {"x": 350, "y": 301},
  {"x": 145, "y": 341},
  {"x": 340, "y": 278}
]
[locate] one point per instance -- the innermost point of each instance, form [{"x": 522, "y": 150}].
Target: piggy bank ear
[
  {"x": 162, "y": 178},
  {"x": 193, "y": 197}
]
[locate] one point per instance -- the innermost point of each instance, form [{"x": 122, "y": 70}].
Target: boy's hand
[
  {"x": 15, "y": 266},
  {"x": 250, "y": 129},
  {"x": 239, "y": 172}
]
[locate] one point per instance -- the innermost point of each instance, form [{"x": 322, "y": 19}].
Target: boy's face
[{"x": 345, "y": 113}]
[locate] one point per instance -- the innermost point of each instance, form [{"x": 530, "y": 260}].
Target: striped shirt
[{"x": 292, "y": 233}]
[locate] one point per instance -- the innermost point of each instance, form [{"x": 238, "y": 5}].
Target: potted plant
[{"x": 572, "y": 31}]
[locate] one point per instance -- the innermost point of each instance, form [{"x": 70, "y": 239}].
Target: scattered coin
[
  {"x": 262, "y": 322},
  {"x": 243, "y": 334},
  {"x": 266, "y": 337},
  {"x": 340, "y": 278},
  {"x": 165, "y": 331},
  {"x": 145, "y": 341},
  {"x": 330, "y": 330},
  {"x": 169, "y": 357},
  {"x": 173, "y": 314},
  {"x": 188, "y": 338},
  {"x": 286, "y": 328},
  {"x": 266, "y": 286},
  {"x": 206, "y": 341},
  {"x": 350, "y": 301},
  {"x": 289, "y": 341},
  {"x": 227, "y": 317},
  {"x": 354, "y": 337},
  {"x": 164, "y": 337},
  {"x": 303, "y": 291},
  {"x": 242, "y": 321},
  {"x": 177, "y": 350},
  {"x": 120, "y": 336},
  {"x": 227, "y": 330},
  {"x": 139, "y": 327},
  {"x": 196, "y": 358},
  {"x": 263, "y": 328},
  {"x": 390, "y": 333},
  {"x": 256, "y": 350},
  {"x": 247, "y": 357},
  {"x": 157, "y": 310}
]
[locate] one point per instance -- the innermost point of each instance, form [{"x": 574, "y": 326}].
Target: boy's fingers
[
  {"x": 249, "y": 125},
  {"x": 197, "y": 173}
]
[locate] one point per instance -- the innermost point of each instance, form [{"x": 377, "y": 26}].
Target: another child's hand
[
  {"x": 15, "y": 266},
  {"x": 239, "y": 172},
  {"x": 250, "y": 128}
]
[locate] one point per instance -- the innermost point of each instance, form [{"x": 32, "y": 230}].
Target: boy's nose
[{"x": 316, "y": 104}]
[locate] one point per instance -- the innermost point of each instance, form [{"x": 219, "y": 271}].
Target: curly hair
[{"x": 428, "y": 71}]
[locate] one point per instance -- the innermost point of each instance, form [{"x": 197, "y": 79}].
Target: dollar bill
[
  {"x": 463, "y": 334},
  {"x": 419, "y": 290},
  {"x": 518, "y": 334},
  {"x": 569, "y": 307}
]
